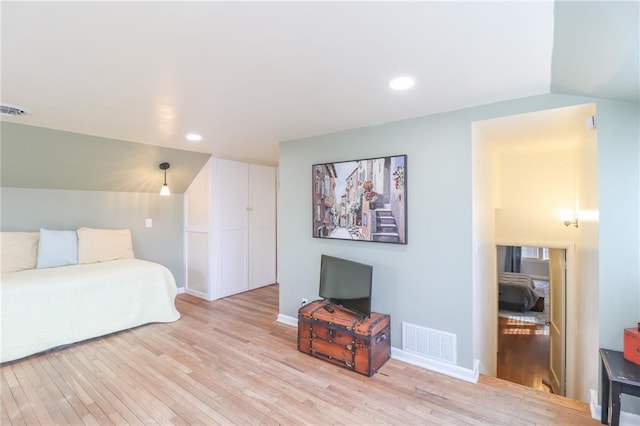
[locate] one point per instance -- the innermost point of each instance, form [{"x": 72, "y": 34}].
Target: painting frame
[{"x": 361, "y": 200}]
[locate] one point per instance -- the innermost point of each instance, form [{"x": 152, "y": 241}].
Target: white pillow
[
  {"x": 57, "y": 248},
  {"x": 103, "y": 245},
  {"x": 18, "y": 251}
]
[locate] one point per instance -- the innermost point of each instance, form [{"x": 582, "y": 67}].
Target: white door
[
  {"x": 262, "y": 225},
  {"x": 233, "y": 203},
  {"x": 557, "y": 317}
]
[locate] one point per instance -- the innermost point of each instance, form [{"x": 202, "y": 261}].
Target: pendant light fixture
[{"x": 164, "y": 191}]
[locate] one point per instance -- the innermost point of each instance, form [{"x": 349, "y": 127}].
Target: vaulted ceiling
[{"x": 247, "y": 75}]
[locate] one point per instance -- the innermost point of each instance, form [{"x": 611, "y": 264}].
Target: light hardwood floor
[{"x": 229, "y": 362}]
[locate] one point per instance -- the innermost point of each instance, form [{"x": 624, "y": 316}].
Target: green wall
[
  {"x": 64, "y": 180},
  {"x": 31, "y": 209},
  {"x": 37, "y": 157},
  {"x": 618, "y": 177},
  {"x": 428, "y": 282}
]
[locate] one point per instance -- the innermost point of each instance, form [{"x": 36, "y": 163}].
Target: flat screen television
[{"x": 346, "y": 283}]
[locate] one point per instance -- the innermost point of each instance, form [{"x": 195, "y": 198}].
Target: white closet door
[
  {"x": 196, "y": 235},
  {"x": 262, "y": 225},
  {"x": 233, "y": 200},
  {"x": 197, "y": 270}
]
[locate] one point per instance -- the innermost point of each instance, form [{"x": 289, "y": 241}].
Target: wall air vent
[
  {"x": 435, "y": 344},
  {"x": 12, "y": 110}
]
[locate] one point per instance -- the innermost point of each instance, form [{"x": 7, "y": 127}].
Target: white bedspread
[{"x": 45, "y": 308}]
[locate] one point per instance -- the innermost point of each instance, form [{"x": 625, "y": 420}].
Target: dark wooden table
[{"x": 618, "y": 376}]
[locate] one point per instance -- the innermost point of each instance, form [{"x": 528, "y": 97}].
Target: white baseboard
[
  {"x": 180, "y": 290},
  {"x": 197, "y": 294},
  {"x": 594, "y": 406},
  {"x": 437, "y": 366},
  {"x": 287, "y": 320},
  {"x": 419, "y": 361},
  {"x": 626, "y": 418}
]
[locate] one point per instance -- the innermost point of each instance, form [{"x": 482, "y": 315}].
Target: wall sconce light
[
  {"x": 573, "y": 222},
  {"x": 164, "y": 191}
]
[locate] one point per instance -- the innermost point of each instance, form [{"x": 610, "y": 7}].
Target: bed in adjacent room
[{"x": 517, "y": 292}]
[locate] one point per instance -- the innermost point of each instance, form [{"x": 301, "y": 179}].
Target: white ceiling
[
  {"x": 557, "y": 129},
  {"x": 249, "y": 75}
]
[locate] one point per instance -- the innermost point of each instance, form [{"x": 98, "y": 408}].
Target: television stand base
[{"x": 343, "y": 337}]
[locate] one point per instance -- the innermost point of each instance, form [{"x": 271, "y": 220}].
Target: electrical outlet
[{"x": 304, "y": 301}]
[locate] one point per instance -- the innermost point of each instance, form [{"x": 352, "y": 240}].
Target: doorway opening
[
  {"x": 531, "y": 316},
  {"x": 532, "y": 173}
]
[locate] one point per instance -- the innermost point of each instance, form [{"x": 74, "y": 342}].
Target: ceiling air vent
[{"x": 12, "y": 110}]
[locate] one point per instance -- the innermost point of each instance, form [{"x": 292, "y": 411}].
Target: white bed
[
  {"x": 516, "y": 292},
  {"x": 46, "y": 308}
]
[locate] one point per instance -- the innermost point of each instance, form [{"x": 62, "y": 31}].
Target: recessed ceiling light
[
  {"x": 194, "y": 137},
  {"x": 402, "y": 83}
]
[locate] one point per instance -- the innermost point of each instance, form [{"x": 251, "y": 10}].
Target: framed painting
[{"x": 363, "y": 200}]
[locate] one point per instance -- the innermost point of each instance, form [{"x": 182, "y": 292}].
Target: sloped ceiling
[
  {"x": 596, "y": 49},
  {"x": 35, "y": 157}
]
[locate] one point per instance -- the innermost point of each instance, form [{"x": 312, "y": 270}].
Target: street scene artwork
[{"x": 362, "y": 200}]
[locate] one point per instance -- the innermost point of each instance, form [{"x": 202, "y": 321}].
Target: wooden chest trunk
[{"x": 343, "y": 338}]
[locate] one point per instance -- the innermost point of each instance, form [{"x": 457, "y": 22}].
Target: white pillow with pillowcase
[
  {"x": 18, "y": 251},
  {"x": 57, "y": 248},
  {"x": 104, "y": 245}
]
